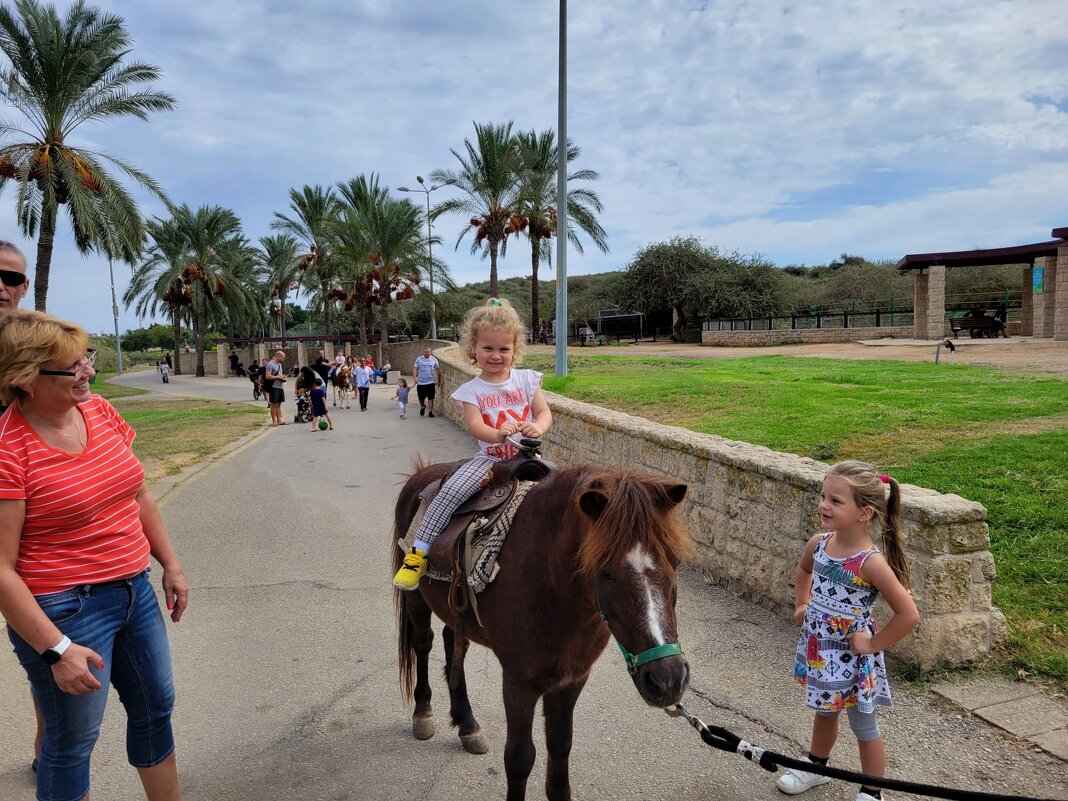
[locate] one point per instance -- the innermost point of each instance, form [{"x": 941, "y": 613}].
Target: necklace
[{"x": 76, "y": 437}]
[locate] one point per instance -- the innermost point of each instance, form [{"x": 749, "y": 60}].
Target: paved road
[{"x": 287, "y": 676}]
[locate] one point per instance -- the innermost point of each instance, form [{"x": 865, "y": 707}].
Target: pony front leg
[
  {"x": 463, "y": 717},
  {"x": 559, "y": 707},
  {"x": 519, "y": 702}
]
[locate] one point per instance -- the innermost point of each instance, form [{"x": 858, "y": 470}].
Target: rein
[{"x": 635, "y": 661}]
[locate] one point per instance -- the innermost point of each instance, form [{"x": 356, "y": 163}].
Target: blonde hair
[
  {"x": 497, "y": 313},
  {"x": 870, "y": 489},
  {"x": 28, "y": 340}
]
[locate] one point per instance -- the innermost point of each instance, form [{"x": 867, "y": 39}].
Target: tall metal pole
[
  {"x": 430, "y": 257},
  {"x": 115, "y": 315},
  {"x": 561, "y": 329}
]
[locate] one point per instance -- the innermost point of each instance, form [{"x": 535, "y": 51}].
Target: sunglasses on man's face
[
  {"x": 12, "y": 278},
  {"x": 84, "y": 363}
]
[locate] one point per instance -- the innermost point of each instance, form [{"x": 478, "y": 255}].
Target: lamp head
[
  {"x": 403, "y": 189},
  {"x": 419, "y": 178}
]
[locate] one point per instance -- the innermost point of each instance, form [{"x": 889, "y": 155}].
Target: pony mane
[{"x": 637, "y": 511}]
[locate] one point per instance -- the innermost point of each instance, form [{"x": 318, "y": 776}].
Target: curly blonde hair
[
  {"x": 30, "y": 339},
  {"x": 497, "y": 313}
]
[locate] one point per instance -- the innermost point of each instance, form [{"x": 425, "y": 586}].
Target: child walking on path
[
  {"x": 498, "y": 403},
  {"x": 318, "y": 405},
  {"x": 401, "y": 397},
  {"x": 839, "y": 656}
]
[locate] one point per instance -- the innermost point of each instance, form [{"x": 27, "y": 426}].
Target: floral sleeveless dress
[{"x": 834, "y": 678}]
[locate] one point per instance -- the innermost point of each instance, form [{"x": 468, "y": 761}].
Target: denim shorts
[{"x": 122, "y": 622}]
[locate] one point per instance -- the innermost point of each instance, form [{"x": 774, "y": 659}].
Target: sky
[{"x": 795, "y": 130}]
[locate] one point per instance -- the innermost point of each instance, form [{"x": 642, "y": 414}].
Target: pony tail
[{"x": 895, "y": 554}]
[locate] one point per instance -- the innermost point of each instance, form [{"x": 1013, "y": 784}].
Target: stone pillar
[
  {"x": 1060, "y": 292},
  {"x": 222, "y": 353},
  {"x": 920, "y": 281},
  {"x": 302, "y": 353},
  {"x": 1027, "y": 304},
  {"x": 936, "y": 303},
  {"x": 348, "y": 348},
  {"x": 1042, "y": 307}
]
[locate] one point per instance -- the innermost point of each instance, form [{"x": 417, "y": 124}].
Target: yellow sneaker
[{"x": 411, "y": 571}]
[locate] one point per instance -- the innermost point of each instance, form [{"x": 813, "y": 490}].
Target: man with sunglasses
[{"x": 14, "y": 283}]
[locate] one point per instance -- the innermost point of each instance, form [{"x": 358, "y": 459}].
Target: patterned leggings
[{"x": 461, "y": 485}]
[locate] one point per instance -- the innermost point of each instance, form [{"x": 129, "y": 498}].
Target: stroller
[{"x": 303, "y": 414}]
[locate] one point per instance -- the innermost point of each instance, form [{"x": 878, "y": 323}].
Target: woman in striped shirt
[{"x": 77, "y": 527}]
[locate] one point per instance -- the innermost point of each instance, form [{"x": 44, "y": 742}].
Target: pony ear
[
  {"x": 593, "y": 503},
  {"x": 675, "y": 493}
]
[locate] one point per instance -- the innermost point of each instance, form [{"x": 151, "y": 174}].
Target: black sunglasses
[
  {"x": 12, "y": 278},
  {"x": 87, "y": 361}
]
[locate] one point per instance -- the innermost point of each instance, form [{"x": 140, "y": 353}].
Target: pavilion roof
[{"x": 1017, "y": 254}]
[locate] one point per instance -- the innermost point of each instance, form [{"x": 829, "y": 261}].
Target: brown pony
[{"x": 591, "y": 553}]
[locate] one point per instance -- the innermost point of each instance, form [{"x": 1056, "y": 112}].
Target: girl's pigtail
[{"x": 895, "y": 554}]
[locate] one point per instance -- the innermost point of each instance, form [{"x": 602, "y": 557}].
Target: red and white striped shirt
[{"x": 83, "y": 522}]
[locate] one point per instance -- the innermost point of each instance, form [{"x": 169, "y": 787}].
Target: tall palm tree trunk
[
  {"x": 363, "y": 326},
  {"x": 493, "y": 268},
  {"x": 384, "y": 315},
  {"x": 176, "y": 322},
  {"x": 44, "y": 259},
  {"x": 201, "y": 326},
  {"x": 282, "y": 327},
  {"x": 535, "y": 290}
]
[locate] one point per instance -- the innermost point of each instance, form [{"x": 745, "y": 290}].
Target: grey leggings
[
  {"x": 865, "y": 725},
  {"x": 461, "y": 485}
]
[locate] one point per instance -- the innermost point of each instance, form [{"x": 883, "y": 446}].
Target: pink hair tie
[{"x": 883, "y": 477}]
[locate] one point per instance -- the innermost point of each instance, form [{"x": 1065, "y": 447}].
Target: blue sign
[{"x": 1038, "y": 275}]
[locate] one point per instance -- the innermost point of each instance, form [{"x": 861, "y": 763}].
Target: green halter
[{"x": 635, "y": 661}]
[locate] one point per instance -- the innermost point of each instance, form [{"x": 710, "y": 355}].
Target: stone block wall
[
  {"x": 751, "y": 510},
  {"x": 807, "y": 336}
]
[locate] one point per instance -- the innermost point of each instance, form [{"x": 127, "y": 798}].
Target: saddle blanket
[{"x": 485, "y": 541}]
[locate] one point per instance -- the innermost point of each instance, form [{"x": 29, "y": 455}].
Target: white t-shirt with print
[{"x": 499, "y": 404}]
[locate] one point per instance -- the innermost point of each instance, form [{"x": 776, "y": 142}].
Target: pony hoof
[
  {"x": 423, "y": 728},
  {"x": 474, "y": 743}
]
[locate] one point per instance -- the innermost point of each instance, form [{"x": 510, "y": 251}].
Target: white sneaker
[
  {"x": 863, "y": 796},
  {"x": 796, "y": 781}
]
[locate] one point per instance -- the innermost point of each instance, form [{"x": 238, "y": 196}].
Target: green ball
[{"x": 323, "y": 425}]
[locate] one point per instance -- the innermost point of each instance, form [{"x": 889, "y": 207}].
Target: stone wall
[
  {"x": 746, "y": 339},
  {"x": 751, "y": 510}
]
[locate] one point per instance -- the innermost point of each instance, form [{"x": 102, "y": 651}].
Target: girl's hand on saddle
[
  {"x": 531, "y": 430},
  {"x": 507, "y": 430},
  {"x": 860, "y": 643}
]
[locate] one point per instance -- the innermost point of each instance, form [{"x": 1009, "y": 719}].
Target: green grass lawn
[{"x": 996, "y": 437}]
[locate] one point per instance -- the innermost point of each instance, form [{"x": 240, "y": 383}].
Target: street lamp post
[
  {"x": 429, "y": 251},
  {"x": 115, "y": 317}
]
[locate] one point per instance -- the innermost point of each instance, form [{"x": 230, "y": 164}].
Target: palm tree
[
  {"x": 489, "y": 175},
  {"x": 395, "y": 232},
  {"x": 213, "y": 241},
  {"x": 314, "y": 211},
  {"x": 157, "y": 283},
  {"x": 277, "y": 256},
  {"x": 62, "y": 73},
  {"x": 538, "y": 156}
]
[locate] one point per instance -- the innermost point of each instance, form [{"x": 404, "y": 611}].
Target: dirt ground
[{"x": 1016, "y": 353}]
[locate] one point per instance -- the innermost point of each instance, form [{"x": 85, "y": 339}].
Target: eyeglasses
[
  {"x": 85, "y": 363},
  {"x": 12, "y": 278}
]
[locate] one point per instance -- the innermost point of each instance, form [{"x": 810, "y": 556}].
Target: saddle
[{"x": 452, "y": 552}]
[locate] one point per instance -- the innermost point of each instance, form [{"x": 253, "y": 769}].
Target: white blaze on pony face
[{"x": 656, "y": 604}]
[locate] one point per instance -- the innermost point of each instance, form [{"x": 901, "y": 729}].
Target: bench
[{"x": 977, "y": 326}]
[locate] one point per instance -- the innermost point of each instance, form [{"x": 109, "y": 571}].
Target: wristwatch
[{"x": 55, "y": 653}]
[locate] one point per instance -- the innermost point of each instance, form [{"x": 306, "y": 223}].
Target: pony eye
[{"x": 604, "y": 574}]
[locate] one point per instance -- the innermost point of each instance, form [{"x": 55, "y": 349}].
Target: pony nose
[{"x": 664, "y": 682}]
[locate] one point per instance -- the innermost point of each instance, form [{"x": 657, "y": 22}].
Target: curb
[
  {"x": 162, "y": 490},
  {"x": 1016, "y": 708}
]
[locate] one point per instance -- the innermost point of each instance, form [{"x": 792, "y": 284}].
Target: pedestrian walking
[
  {"x": 401, "y": 396},
  {"x": 839, "y": 657},
  {"x": 362, "y": 378},
  {"x": 499, "y": 402},
  {"x": 427, "y": 375},
  {"x": 275, "y": 378}
]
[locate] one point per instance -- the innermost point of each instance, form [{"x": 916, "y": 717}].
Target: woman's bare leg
[{"x": 161, "y": 781}]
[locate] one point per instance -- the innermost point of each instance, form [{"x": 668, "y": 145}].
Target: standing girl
[
  {"x": 318, "y": 405},
  {"x": 496, "y": 404},
  {"x": 839, "y": 656},
  {"x": 402, "y": 395}
]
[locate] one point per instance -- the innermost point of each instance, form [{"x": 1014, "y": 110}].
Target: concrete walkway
[{"x": 286, "y": 667}]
